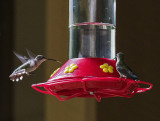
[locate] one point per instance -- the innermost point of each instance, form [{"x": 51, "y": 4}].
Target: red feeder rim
[{"x": 92, "y": 78}]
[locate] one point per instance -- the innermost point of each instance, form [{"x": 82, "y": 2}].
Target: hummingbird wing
[
  {"x": 131, "y": 73},
  {"x": 30, "y": 54},
  {"x": 32, "y": 63},
  {"x": 23, "y": 59},
  {"x": 126, "y": 71}
]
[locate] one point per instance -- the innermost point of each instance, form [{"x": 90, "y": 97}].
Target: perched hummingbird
[
  {"x": 123, "y": 69},
  {"x": 29, "y": 65}
]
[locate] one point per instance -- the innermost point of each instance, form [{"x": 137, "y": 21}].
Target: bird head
[
  {"x": 120, "y": 56},
  {"x": 41, "y": 58}
]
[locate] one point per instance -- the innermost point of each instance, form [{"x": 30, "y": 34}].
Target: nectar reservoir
[{"x": 92, "y": 25}]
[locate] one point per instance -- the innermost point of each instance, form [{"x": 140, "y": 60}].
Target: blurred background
[{"x": 42, "y": 27}]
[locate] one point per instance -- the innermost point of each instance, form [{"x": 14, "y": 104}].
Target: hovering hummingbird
[
  {"x": 28, "y": 65},
  {"x": 123, "y": 69}
]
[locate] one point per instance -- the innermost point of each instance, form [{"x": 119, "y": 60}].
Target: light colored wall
[
  {"x": 42, "y": 27},
  {"x": 29, "y": 32},
  {"x": 57, "y": 40}
]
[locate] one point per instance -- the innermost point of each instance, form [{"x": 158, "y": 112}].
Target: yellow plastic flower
[
  {"x": 107, "y": 68},
  {"x": 54, "y": 72},
  {"x": 71, "y": 68}
]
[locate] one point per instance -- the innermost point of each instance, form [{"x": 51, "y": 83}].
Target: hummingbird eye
[{"x": 42, "y": 57}]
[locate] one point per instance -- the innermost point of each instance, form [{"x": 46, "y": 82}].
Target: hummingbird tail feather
[{"x": 17, "y": 75}]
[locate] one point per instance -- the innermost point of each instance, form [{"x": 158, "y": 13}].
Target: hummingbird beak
[
  {"x": 115, "y": 57},
  {"x": 53, "y": 60}
]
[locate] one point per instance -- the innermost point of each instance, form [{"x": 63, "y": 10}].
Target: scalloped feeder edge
[{"x": 89, "y": 78}]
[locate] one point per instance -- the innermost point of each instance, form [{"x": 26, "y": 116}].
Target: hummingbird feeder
[{"x": 91, "y": 72}]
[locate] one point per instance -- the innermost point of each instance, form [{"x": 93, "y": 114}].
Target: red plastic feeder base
[{"x": 92, "y": 78}]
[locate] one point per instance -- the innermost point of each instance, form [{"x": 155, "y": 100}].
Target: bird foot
[
  {"x": 125, "y": 78},
  {"x": 28, "y": 74},
  {"x": 122, "y": 77}
]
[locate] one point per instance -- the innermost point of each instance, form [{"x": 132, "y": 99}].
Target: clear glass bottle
[{"x": 92, "y": 26}]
